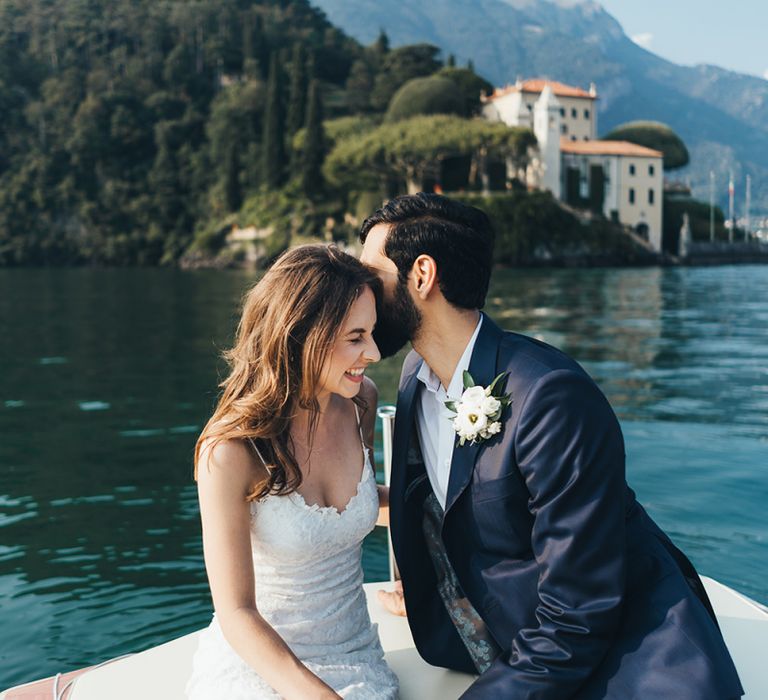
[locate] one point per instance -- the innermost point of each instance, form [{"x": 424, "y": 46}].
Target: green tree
[
  {"x": 273, "y": 140},
  {"x": 314, "y": 144},
  {"x": 432, "y": 95},
  {"x": 400, "y": 65},
  {"x": 381, "y": 45},
  {"x": 655, "y": 135},
  {"x": 359, "y": 86},
  {"x": 341, "y": 128},
  {"x": 471, "y": 86},
  {"x": 232, "y": 191},
  {"x": 237, "y": 116},
  {"x": 298, "y": 93},
  {"x": 412, "y": 149}
]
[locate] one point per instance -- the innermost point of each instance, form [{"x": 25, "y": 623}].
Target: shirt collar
[{"x": 432, "y": 382}]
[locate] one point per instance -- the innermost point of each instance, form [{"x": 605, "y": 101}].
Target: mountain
[{"x": 722, "y": 116}]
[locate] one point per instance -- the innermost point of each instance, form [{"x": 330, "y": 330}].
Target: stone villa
[{"x": 622, "y": 179}]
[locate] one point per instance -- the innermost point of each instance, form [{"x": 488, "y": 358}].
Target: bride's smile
[{"x": 353, "y": 350}]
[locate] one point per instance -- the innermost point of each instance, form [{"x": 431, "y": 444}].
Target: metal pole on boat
[
  {"x": 731, "y": 215},
  {"x": 711, "y": 206},
  {"x": 387, "y": 415}
]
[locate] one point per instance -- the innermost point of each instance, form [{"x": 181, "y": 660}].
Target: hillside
[
  {"x": 722, "y": 116},
  {"x": 129, "y": 127}
]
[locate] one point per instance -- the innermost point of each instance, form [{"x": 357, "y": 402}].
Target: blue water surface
[{"x": 107, "y": 376}]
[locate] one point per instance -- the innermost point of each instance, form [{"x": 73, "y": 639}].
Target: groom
[{"x": 524, "y": 556}]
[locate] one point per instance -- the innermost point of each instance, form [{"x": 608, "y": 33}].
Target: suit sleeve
[{"x": 570, "y": 451}]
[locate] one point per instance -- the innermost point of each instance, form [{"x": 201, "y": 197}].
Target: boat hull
[{"x": 161, "y": 672}]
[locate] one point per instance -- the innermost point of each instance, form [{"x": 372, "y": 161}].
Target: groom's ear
[{"x": 424, "y": 275}]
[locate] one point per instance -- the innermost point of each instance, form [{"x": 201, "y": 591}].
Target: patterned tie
[{"x": 470, "y": 626}]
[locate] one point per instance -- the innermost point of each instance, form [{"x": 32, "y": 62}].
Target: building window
[
  {"x": 562, "y": 111},
  {"x": 631, "y": 168},
  {"x": 564, "y": 128},
  {"x": 573, "y": 138},
  {"x": 586, "y": 114},
  {"x": 631, "y": 195},
  {"x": 650, "y": 196},
  {"x": 530, "y": 107},
  {"x": 574, "y": 113},
  {"x": 651, "y": 170}
]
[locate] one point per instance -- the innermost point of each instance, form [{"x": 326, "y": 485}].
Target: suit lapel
[
  {"x": 482, "y": 367},
  {"x": 402, "y": 470}
]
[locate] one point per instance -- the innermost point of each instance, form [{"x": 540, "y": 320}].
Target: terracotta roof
[
  {"x": 608, "y": 148},
  {"x": 536, "y": 85}
]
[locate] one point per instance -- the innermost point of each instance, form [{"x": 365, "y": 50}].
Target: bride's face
[{"x": 353, "y": 350}]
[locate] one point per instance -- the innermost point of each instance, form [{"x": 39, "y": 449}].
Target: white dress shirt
[{"x": 434, "y": 422}]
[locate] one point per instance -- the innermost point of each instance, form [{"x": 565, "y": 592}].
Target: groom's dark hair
[{"x": 459, "y": 238}]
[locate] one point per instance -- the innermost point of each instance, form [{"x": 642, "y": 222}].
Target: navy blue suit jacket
[{"x": 584, "y": 594}]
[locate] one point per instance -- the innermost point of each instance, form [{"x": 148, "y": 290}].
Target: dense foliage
[
  {"x": 532, "y": 227},
  {"x": 432, "y": 95},
  {"x": 138, "y": 132},
  {"x": 127, "y": 125},
  {"x": 130, "y": 127},
  {"x": 653, "y": 135},
  {"x": 698, "y": 219},
  {"x": 411, "y": 149}
]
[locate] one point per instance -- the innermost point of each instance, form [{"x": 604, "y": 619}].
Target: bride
[{"x": 287, "y": 492}]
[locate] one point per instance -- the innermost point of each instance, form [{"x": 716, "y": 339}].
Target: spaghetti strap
[
  {"x": 258, "y": 452},
  {"x": 359, "y": 424}
]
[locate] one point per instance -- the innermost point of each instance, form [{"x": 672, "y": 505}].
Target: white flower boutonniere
[{"x": 479, "y": 409}]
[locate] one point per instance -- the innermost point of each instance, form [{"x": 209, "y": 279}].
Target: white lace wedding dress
[{"x": 307, "y": 563}]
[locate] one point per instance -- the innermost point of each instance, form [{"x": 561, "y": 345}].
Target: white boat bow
[{"x": 161, "y": 672}]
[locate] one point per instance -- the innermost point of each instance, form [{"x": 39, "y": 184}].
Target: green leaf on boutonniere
[
  {"x": 451, "y": 406},
  {"x": 467, "y": 379},
  {"x": 494, "y": 383}
]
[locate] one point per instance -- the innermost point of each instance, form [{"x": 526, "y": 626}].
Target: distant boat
[{"x": 161, "y": 673}]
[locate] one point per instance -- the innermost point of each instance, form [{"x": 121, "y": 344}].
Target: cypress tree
[
  {"x": 298, "y": 96},
  {"x": 273, "y": 140},
  {"x": 164, "y": 181},
  {"x": 232, "y": 192},
  {"x": 451, "y": 61},
  {"x": 359, "y": 86},
  {"x": 314, "y": 145},
  {"x": 381, "y": 45},
  {"x": 311, "y": 67}
]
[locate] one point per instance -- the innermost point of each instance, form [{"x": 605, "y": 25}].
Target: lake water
[{"x": 106, "y": 377}]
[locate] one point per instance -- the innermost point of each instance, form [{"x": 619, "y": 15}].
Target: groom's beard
[{"x": 397, "y": 322}]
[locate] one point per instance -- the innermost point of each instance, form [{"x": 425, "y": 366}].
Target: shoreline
[{"x": 706, "y": 258}]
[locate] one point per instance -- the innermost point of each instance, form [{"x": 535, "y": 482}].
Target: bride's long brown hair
[{"x": 289, "y": 323}]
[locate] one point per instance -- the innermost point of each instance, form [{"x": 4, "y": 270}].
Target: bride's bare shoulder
[{"x": 231, "y": 461}]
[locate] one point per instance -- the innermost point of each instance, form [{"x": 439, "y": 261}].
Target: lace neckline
[{"x": 298, "y": 499}]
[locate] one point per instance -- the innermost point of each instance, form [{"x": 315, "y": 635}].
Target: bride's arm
[
  {"x": 383, "y": 518},
  {"x": 370, "y": 394},
  {"x": 224, "y": 477}
]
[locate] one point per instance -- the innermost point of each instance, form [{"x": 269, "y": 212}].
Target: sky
[{"x": 732, "y": 34}]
